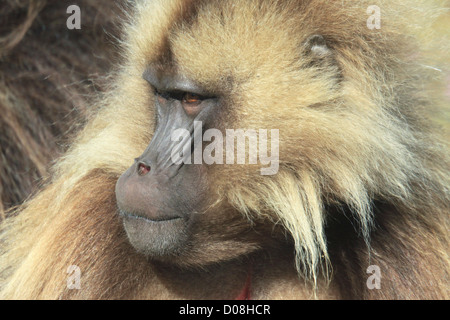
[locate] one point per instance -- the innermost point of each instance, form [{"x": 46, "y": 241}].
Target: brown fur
[
  {"x": 363, "y": 174},
  {"x": 46, "y": 74}
]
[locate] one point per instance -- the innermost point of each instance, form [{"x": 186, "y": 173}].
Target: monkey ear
[{"x": 317, "y": 47}]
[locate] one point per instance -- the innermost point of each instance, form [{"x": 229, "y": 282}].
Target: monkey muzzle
[{"x": 158, "y": 198}]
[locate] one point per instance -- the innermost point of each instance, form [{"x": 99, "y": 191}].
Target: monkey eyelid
[
  {"x": 173, "y": 83},
  {"x": 178, "y": 95}
]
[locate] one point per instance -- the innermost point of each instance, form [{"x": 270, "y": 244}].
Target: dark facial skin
[{"x": 157, "y": 198}]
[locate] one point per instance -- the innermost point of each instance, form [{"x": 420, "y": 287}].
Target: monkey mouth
[
  {"x": 156, "y": 219},
  {"x": 158, "y": 237}
]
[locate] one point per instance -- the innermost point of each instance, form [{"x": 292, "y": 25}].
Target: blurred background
[{"x": 48, "y": 75}]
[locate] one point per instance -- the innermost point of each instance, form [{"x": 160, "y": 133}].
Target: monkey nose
[{"x": 143, "y": 169}]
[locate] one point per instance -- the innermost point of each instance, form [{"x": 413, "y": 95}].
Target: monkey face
[
  {"x": 249, "y": 68},
  {"x": 165, "y": 198},
  {"x": 158, "y": 198},
  {"x": 186, "y": 211}
]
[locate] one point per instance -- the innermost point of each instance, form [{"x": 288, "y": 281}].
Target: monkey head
[{"x": 262, "y": 65}]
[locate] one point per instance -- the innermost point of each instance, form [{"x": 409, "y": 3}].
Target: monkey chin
[{"x": 156, "y": 239}]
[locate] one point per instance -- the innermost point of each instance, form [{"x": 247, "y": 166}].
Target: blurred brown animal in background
[
  {"x": 363, "y": 173},
  {"x": 47, "y": 73}
]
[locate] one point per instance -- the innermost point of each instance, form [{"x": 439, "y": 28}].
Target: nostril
[{"x": 143, "y": 169}]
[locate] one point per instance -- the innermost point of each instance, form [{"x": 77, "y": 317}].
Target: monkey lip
[
  {"x": 159, "y": 238},
  {"x": 161, "y": 218}
]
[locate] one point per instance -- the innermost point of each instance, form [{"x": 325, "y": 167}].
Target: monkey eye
[
  {"x": 191, "y": 99},
  {"x": 191, "y": 102}
]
